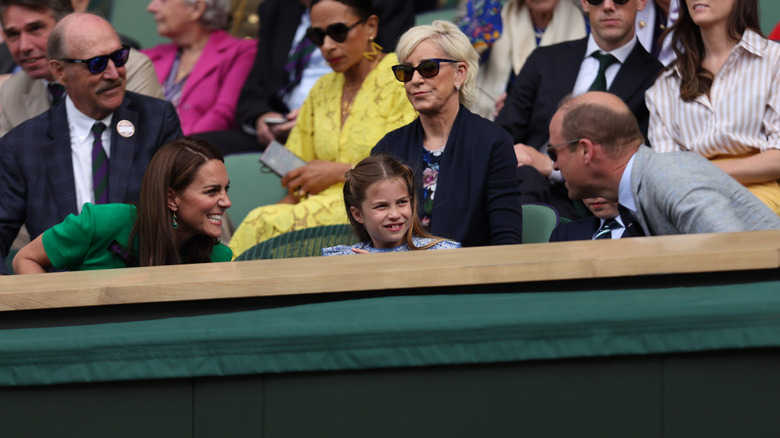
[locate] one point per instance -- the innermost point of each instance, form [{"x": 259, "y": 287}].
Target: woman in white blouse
[{"x": 721, "y": 96}]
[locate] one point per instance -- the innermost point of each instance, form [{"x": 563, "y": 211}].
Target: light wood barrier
[{"x": 582, "y": 260}]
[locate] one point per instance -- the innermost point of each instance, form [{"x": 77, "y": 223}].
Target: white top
[
  {"x": 741, "y": 114},
  {"x": 81, "y": 139},
  {"x": 590, "y": 65}
]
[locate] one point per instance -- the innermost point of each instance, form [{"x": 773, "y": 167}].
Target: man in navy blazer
[
  {"x": 42, "y": 178},
  {"x": 598, "y": 148},
  {"x": 553, "y": 72},
  {"x": 588, "y": 228}
]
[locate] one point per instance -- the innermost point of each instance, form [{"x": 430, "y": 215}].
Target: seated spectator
[
  {"x": 285, "y": 69},
  {"x": 598, "y": 148},
  {"x": 381, "y": 205},
  {"x": 720, "y": 98},
  {"x": 464, "y": 165},
  {"x": 28, "y": 93},
  {"x": 606, "y": 223},
  {"x": 345, "y": 114},
  {"x": 526, "y": 25},
  {"x": 178, "y": 219},
  {"x": 203, "y": 70},
  {"x": 651, "y": 22},
  {"x": 92, "y": 147},
  {"x": 609, "y": 59}
]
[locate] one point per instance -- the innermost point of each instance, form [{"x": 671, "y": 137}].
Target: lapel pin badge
[{"x": 125, "y": 128}]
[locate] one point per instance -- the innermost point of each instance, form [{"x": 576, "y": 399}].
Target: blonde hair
[{"x": 453, "y": 43}]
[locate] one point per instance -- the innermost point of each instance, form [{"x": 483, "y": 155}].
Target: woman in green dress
[{"x": 178, "y": 219}]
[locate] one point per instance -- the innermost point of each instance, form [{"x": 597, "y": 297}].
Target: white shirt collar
[
  {"x": 81, "y": 124},
  {"x": 621, "y": 53},
  {"x": 625, "y": 193}
]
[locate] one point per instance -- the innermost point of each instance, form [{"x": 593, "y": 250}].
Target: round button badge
[{"x": 125, "y": 128}]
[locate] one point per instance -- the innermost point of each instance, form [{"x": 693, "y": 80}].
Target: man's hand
[{"x": 529, "y": 156}]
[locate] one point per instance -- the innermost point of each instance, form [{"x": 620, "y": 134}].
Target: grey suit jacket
[
  {"x": 22, "y": 98},
  {"x": 684, "y": 193}
]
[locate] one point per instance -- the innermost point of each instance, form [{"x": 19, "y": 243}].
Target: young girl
[{"x": 379, "y": 198}]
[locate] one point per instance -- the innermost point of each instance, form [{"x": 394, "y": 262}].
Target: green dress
[{"x": 98, "y": 238}]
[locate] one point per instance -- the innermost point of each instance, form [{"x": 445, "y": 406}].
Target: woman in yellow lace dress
[{"x": 346, "y": 113}]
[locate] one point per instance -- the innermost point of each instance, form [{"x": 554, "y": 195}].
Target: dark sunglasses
[
  {"x": 337, "y": 32},
  {"x": 598, "y": 2},
  {"x": 552, "y": 150},
  {"x": 427, "y": 69},
  {"x": 98, "y": 64}
]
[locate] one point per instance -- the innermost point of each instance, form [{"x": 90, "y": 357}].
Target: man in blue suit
[
  {"x": 46, "y": 163},
  {"x": 573, "y": 67},
  {"x": 597, "y": 146},
  {"x": 606, "y": 223}
]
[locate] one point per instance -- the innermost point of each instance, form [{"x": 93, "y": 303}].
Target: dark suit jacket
[
  {"x": 36, "y": 168},
  {"x": 279, "y": 20},
  {"x": 549, "y": 75},
  {"x": 583, "y": 229},
  {"x": 476, "y": 202}
]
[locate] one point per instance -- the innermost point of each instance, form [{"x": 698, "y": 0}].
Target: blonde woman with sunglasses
[
  {"x": 465, "y": 166},
  {"x": 344, "y": 115}
]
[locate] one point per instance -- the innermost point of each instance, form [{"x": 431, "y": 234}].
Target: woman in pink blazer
[{"x": 203, "y": 69}]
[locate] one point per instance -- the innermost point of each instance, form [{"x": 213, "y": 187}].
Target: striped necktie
[
  {"x": 605, "y": 232},
  {"x": 297, "y": 61},
  {"x": 99, "y": 165},
  {"x": 605, "y": 60}
]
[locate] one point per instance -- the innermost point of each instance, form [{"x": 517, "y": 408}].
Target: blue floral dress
[
  {"x": 369, "y": 246},
  {"x": 431, "y": 160}
]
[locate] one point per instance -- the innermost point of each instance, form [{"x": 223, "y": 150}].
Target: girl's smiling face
[{"x": 386, "y": 212}]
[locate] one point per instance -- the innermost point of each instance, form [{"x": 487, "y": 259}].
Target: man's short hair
[
  {"x": 57, "y": 8},
  {"x": 614, "y": 130}
]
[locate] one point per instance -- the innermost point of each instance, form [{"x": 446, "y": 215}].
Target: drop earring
[
  {"x": 375, "y": 49},
  {"x": 175, "y": 225}
]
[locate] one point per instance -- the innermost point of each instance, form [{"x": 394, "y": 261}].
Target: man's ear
[
  {"x": 58, "y": 71},
  {"x": 173, "y": 202},
  {"x": 586, "y": 150},
  {"x": 356, "y": 214}
]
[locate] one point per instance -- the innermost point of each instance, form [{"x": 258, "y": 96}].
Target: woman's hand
[
  {"x": 758, "y": 168},
  {"x": 360, "y": 251},
  {"x": 314, "y": 177},
  {"x": 32, "y": 258}
]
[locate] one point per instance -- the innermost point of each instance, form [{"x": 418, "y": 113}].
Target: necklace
[{"x": 349, "y": 94}]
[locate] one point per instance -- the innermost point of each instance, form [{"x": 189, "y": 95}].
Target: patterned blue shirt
[{"x": 369, "y": 246}]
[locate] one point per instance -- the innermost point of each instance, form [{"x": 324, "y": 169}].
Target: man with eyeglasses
[
  {"x": 609, "y": 59},
  {"x": 599, "y": 150},
  {"x": 92, "y": 147},
  {"x": 27, "y": 25}
]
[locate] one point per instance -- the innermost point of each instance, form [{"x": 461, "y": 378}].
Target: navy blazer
[
  {"x": 36, "y": 167},
  {"x": 477, "y": 201},
  {"x": 584, "y": 228},
  {"x": 549, "y": 75}
]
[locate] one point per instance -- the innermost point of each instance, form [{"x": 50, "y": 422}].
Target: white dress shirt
[
  {"x": 81, "y": 139},
  {"x": 590, "y": 65}
]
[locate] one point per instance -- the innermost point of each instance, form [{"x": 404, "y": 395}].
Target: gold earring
[{"x": 375, "y": 49}]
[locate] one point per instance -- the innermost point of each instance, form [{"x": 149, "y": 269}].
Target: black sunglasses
[
  {"x": 598, "y": 2},
  {"x": 337, "y": 32},
  {"x": 98, "y": 64},
  {"x": 427, "y": 69},
  {"x": 552, "y": 150}
]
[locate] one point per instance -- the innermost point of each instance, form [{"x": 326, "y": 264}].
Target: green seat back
[
  {"x": 307, "y": 242},
  {"x": 538, "y": 222}
]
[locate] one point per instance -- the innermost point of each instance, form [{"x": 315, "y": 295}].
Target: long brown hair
[
  {"x": 688, "y": 46},
  {"x": 174, "y": 166},
  {"x": 373, "y": 170}
]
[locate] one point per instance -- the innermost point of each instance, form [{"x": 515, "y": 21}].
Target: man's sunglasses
[
  {"x": 552, "y": 150},
  {"x": 617, "y": 2},
  {"x": 337, "y": 32},
  {"x": 427, "y": 69},
  {"x": 98, "y": 64}
]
